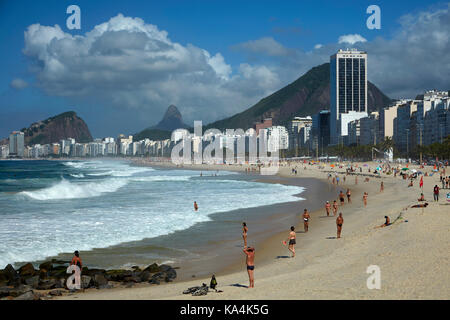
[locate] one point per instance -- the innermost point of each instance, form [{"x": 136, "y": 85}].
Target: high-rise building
[
  {"x": 16, "y": 144},
  {"x": 348, "y": 89},
  {"x": 321, "y": 130}
]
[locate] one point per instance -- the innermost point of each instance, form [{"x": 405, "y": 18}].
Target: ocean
[{"x": 49, "y": 208}]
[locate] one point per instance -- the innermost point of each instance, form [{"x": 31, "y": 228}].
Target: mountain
[
  {"x": 305, "y": 96},
  {"x": 172, "y": 120},
  {"x": 63, "y": 126}
]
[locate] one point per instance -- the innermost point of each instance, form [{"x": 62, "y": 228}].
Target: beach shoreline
[{"x": 326, "y": 268}]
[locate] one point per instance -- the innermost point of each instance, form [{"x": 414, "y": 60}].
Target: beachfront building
[
  {"x": 348, "y": 91},
  {"x": 4, "y": 151},
  {"x": 16, "y": 144},
  {"x": 299, "y": 132},
  {"x": 277, "y": 138},
  {"x": 368, "y": 128},
  {"x": 320, "y": 132},
  {"x": 402, "y": 126},
  {"x": 263, "y": 124}
]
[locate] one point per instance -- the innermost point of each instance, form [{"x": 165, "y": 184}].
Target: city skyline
[{"x": 281, "y": 42}]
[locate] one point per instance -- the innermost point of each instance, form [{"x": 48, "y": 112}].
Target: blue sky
[{"x": 260, "y": 46}]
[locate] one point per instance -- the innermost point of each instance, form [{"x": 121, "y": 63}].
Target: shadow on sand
[
  {"x": 331, "y": 237},
  {"x": 283, "y": 257},
  {"x": 238, "y": 285}
]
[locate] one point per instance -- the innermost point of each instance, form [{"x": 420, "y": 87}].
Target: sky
[{"x": 132, "y": 59}]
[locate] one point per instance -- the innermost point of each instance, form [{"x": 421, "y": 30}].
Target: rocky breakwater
[{"x": 28, "y": 283}]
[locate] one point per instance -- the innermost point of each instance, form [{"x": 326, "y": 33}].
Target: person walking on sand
[
  {"x": 341, "y": 198},
  {"x": 381, "y": 186},
  {"x": 436, "y": 193},
  {"x": 306, "y": 218},
  {"x": 195, "y": 206},
  {"x": 292, "y": 237},
  {"x": 244, "y": 233},
  {"x": 250, "y": 262},
  {"x": 349, "y": 195},
  {"x": 365, "y": 195},
  {"x": 339, "y": 223},
  {"x": 328, "y": 208},
  {"x": 335, "y": 207}
]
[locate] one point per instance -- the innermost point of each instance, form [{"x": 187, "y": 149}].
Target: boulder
[
  {"x": 27, "y": 270},
  {"x": 4, "y": 291},
  {"x": 19, "y": 290},
  {"x": 85, "y": 282},
  {"x": 134, "y": 279},
  {"x": 49, "y": 284},
  {"x": 56, "y": 292},
  {"x": 30, "y": 295},
  {"x": 164, "y": 268},
  {"x": 118, "y": 275},
  {"x": 105, "y": 286},
  {"x": 58, "y": 272},
  {"x": 171, "y": 274},
  {"x": 47, "y": 266},
  {"x": 33, "y": 281},
  {"x": 153, "y": 268},
  {"x": 145, "y": 276},
  {"x": 10, "y": 272},
  {"x": 99, "y": 280}
]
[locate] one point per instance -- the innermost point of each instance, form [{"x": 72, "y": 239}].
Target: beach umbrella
[
  {"x": 378, "y": 168},
  {"x": 365, "y": 165},
  {"x": 414, "y": 170},
  {"x": 404, "y": 169}
]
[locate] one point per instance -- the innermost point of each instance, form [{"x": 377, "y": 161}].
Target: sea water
[{"x": 52, "y": 207}]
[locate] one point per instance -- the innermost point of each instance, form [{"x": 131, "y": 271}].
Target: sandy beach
[{"x": 412, "y": 253}]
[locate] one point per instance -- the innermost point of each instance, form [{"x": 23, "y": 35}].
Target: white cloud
[
  {"x": 318, "y": 46},
  {"x": 126, "y": 62},
  {"x": 351, "y": 38},
  {"x": 18, "y": 83}
]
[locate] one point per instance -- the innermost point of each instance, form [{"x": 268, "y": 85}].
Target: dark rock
[
  {"x": 56, "y": 292},
  {"x": 10, "y": 272},
  {"x": 58, "y": 272},
  {"x": 93, "y": 272},
  {"x": 49, "y": 284},
  {"x": 171, "y": 274},
  {"x": 27, "y": 270},
  {"x": 132, "y": 279},
  {"x": 136, "y": 268},
  {"x": 154, "y": 281},
  {"x": 153, "y": 268},
  {"x": 19, "y": 290},
  {"x": 129, "y": 284},
  {"x": 164, "y": 268},
  {"x": 99, "y": 280},
  {"x": 47, "y": 266},
  {"x": 33, "y": 281},
  {"x": 4, "y": 291},
  {"x": 118, "y": 275},
  {"x": 145, "y": 276},
  {"x": 159, "y": 276},
  {"x": 30, "y": 295},
  {"x": 85, "y": 282},
  {"x": 43, "y": 274},
  {"x": 105, "y": 286}
]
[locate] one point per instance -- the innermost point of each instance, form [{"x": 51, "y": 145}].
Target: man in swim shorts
[
  {"x": 250, "y": 262},
  {"x": 335, "y": 207},
  {"x": 339, "y": 223},
  {"x": 341, "y": 198},
  {"x": 306, "y": 218},
  {"x": 292, "y": 242}
]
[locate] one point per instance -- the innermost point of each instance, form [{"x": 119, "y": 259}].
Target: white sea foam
[
  {"x": 117, "y": 209},
  {"x": 80, "y": 175},
  {"x": 68, "y": 190}
]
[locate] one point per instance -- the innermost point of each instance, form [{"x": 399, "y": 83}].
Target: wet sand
[{"x": 412, "y": 253}]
